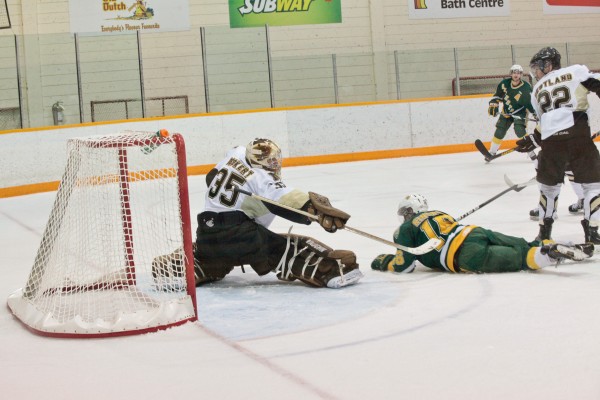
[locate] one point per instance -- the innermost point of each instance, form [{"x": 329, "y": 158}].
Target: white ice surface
[{"x": 425, "y": 335}]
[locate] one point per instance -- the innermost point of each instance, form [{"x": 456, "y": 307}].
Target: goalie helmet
[
  {"x": 411, "y": 204},
  {"x": 516, "y": 68},
  {"x": 544, "y": 58},
  {"x": 265, "y": 154}
]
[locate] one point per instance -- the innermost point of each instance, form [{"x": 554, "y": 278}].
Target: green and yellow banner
[{"x": 251, "y": 13}]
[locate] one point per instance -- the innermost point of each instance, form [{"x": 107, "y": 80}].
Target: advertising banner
[
  {"x": 128, "y": 16},
  {"x": 571, "y": 6},
  {"x": 433, "y": 9},
  {"x": 251, "y": 13}
]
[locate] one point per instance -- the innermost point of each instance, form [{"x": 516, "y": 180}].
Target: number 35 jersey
[
  {"x": 560, "y": 93},
  {"x": 234, "y": 171}
]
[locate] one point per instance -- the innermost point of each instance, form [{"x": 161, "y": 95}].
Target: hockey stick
[
  {"x": 428, "y": 246},
  {"x": 521, "y": 118},
  {"x": 487, "y": 155},
  {"x": 517, "y": 187}
]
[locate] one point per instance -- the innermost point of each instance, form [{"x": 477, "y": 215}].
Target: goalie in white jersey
[
  {"x": 233, "y": 229},
  {"x": 560, "y": 101}
]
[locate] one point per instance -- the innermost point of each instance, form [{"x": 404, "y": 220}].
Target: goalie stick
[
  {"x": 430, "y": 245},
  {"x": 517, "y": 187}
]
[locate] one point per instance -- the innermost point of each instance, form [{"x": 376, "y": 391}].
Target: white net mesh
[{"x": 117, "y": 208}]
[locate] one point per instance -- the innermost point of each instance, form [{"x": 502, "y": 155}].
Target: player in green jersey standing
[
  {"x": 467, "y": 248},
  {"x": 515, "y": 95}
]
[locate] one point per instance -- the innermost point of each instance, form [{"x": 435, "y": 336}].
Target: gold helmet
[{"x": 265, "y": 154}]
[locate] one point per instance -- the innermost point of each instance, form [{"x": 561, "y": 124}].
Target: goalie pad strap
[{"x": 313, "y": 262}]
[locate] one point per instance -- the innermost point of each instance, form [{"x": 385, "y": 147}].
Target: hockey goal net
[
  {"x": 122, "y": 201},
  {"x": 480, "y": 84}
]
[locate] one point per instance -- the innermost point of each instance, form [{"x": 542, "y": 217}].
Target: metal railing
[{"x": 220, "y": 69}]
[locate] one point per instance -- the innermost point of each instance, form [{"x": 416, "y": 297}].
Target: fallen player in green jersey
[{"x": 467, "y": 248}]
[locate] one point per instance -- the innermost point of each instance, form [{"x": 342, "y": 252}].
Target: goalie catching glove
[
  {"x": 329, "y": 217},
  {"x": 493, "y": 109},
  {"x": 529, "y": 143}
]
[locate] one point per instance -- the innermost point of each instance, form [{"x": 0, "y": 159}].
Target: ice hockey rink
[{"x": 425, "y": 335}]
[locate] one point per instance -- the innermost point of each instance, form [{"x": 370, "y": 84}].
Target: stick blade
[
  {"x": 482, "y": 149},
  {"x": 517, "y": 187},
  {"x": 508, "y": 181}
]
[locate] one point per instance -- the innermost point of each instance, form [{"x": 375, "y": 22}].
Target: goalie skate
[
  {"x": 167, "y": 271},
  {"x": 350, "y": 278}
]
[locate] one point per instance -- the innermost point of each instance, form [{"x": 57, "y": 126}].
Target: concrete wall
[{"x": 29, "y": 157}]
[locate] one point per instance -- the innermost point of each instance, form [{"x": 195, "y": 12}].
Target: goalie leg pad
[
  {"x": 317, "y": 264},
  {"x": 209, "y": 273},
  {"x": 167, "y": 270}
]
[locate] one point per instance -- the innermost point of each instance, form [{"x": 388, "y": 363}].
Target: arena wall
[{"x": 30, "y": 159}]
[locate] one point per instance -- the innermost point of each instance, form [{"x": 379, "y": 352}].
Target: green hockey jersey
[
  {"x": 516, "y": 100},
  {"x": 417, "y": 231}
]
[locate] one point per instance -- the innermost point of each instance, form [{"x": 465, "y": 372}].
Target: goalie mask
[
  {"x": 410, "y": 205},
  {"x": 265, "y": 154},
  {"x": 548, "y": 56}
]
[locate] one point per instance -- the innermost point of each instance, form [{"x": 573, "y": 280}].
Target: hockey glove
[
  {"x": 329, "y": 217},
  {"x": 381, "y": 262},
  {"x": 529, "y": 143},
  {"x": 493, "y": 109}
]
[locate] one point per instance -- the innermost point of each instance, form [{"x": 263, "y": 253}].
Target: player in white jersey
[
  {"x": 560, "y": 101},
  {"x": 233, "y": 228}
]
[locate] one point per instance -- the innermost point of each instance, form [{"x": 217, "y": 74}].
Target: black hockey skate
[
  {"x": 576, "y": 208},
  {"x": 590, "y": 232},
  {"x": 545, "y": 230},
  {"x": 534, "y": 214},
  {"x": 577, "y": 252}
]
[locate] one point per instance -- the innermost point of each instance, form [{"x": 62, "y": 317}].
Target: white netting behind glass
[{"x": 117, "y": 208}]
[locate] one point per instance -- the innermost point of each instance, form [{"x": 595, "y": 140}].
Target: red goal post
[
  {"x": 485, "y": 84},
  {"x": 122, "y": 201}
]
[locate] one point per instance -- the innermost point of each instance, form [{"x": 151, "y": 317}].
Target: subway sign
[{"x": 252, "y": 13}]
